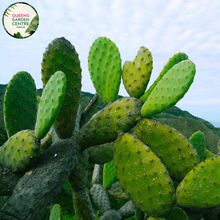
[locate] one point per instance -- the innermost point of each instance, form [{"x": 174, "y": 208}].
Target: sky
[{"x": 164, "y": 27}]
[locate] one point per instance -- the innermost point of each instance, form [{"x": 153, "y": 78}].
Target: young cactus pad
[
  {"x": 109, "y": 174},
  {"x": 175, "y": 151},
  {"x": 199, "y": 143},
  {"x": 60, "y": 55},
  {"x": 50, "y": 103},
  {"x": 20, "y": 103},
  {"x": 143, "y": 176},
  {"x": 104, "y": 63},
  {"x": 136, "y": 74},
  {"x": 201, "y": 187},
  {"x": 176, "y": 58},
  {"x": 56, "y": 212},
  {"x": 170, "y": 89},
  {"x": 118, "y": 117},
  {"x": 20, "y": 151}
]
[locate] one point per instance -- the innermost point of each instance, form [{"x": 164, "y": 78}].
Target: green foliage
[
  {"x": 104, "y": 63},
  {"x": 170, "y": 89},
  {"x": 60, "y": 55},
  {"x": 136, "y": 74},
  {"x": 50, "y": 103},
  {"x": 20, "y": 103}
]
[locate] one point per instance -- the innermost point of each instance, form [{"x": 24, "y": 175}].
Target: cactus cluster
[{"x": 158, "y": 171}]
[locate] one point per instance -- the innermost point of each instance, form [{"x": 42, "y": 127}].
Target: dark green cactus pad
[
  {"x": 56, "y": 212},
  {"x": 60, "y": 55},
  {"x": 104, "y": 62},
  {"x": 170, "y": 89},
  {"x": 101, "y": 154},
  {"x": 143, "y": 176},
  {"x": 20, "y": 151},
  {"x": 201, "y": 186},
  {"x": 20, "y": 103},
  {"x": 199, "y": 143},
  {"x": 136, "y": 74},
  {"x": 117, "y": 117},
  {"x": 174, "y": 150},
  {"x": 176, "y": 58},
  {"x": 109, "y": 174},
  {"x": 50, "y": 103},
  {"x": 177, "y": 214}
]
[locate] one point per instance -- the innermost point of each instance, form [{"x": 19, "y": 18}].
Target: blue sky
[{"x": 164, "y": 27}]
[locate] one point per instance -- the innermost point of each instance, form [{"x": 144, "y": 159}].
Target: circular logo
[{"x": 20, "y": 20}]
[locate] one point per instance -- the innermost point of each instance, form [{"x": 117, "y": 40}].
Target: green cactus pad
[
  {"x": 20, "y": 103},
  {"x": 50, "y": 103},
  {"x": 177, "y": 214},
  {"x": 170, "y": 89},
  {"x": 20, "y": 151},
  {"x": 104, "y": 63},
  {"x": 199, "y": 143},
  {"x": 208, "y": 154},
  {"x": 136, "y": 74},
  {"x": 56, "y": 212},
  {"x": 201, "y": 186},
  {"x": 117, "y": 117},
  {"x": 143, "y": 176},
  {"x": 60, "y": 55},
  {"x": 109, "y": 174},
  {"x": 172, "y": 61},
  {"x": 175, "y": 151}
]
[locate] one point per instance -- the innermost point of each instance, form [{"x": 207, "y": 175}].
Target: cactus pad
[
  {"x": 199, "y": 143},
  {"x": 177, "y": 214},
  {"x": 50, "y": 103},
  {"x": 20, "y": 151},
  {"x": 109, "y": 174},
  {"x": 56, "y": 212},
  {"x": 20, "y": 103},
  {"x": 104, "y": 63},
  {"x": 176, "y": 58},
  {"x": 60, "y": 55},
  {"x": 117, "y": 117},
  {"x": 201, "y": 187},
  {"x": 136, "y": 74},
  {"x": 175, "y": 151},
  {"x": 170, "y": 89},
  {"x": 143, "y": 176}
]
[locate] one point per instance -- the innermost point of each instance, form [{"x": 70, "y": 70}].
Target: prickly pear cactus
[
  {"x": 143, "y": 176},
  {"x": 201, "y": 188},
  {"x": 55, "y": 213},
  {"x": 109, "y": 174},
  {"x": 175, "y": 151},
  {"x": 176, "y": 58},
  {"x": 170, "y": 89},
  {"x": 117, "y": 117},
  {"x": 104, "y": 63},
  {"x": 60, "y": 55},
  {"x": 199, "y": 143},
  {"x": 20, "y": 151},
  {"x": 136, "y": 74},
  {"x": 20, "y": 103},
  {"x": 50, "y": 103}
]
